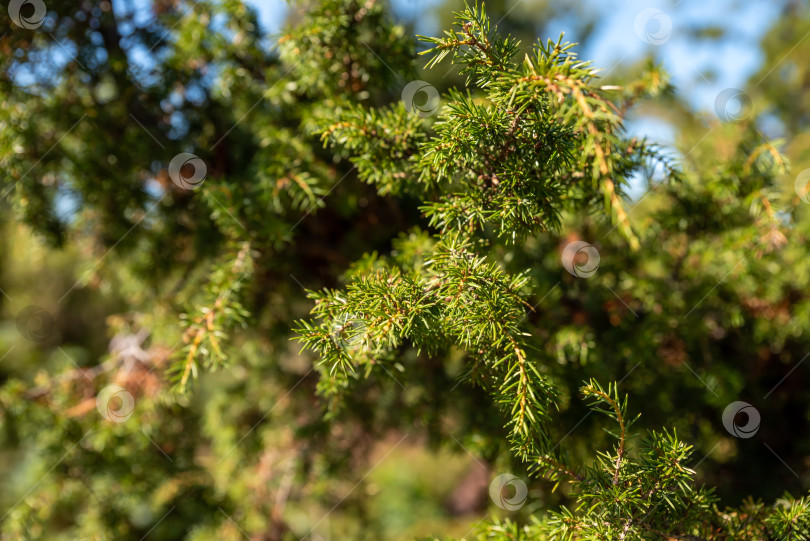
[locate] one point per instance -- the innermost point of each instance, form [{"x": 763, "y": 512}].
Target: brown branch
[
  {"x": 623, "y": 434},
  {"x": 560, "y": 468}
]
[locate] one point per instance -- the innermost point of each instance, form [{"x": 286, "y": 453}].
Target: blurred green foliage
[{"x": 318, "y": 177}]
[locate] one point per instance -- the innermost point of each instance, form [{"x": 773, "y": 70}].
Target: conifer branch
[{"x": 224, "y": 311}]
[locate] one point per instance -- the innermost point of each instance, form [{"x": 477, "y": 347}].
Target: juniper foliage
[
  {"x": 504, "y": 159},
  {"x": 430, "y": 235}
]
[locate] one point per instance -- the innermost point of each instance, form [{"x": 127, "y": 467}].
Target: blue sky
[{"x": 699, "y": 69}]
